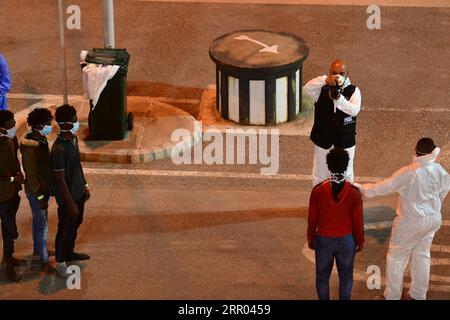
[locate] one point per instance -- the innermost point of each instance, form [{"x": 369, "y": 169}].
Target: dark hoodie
[{"x": 36, "y": 163}]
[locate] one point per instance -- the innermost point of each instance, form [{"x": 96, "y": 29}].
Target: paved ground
[{"x": 159, "y": 235}]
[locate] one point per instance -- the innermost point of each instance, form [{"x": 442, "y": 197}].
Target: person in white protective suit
[
  {"x": 423, "y": 186},
  {"x": 337, "y": 102}
]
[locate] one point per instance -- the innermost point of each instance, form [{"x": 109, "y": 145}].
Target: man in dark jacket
[
  {"x": 11, "y": 180},
  {"x": 38, "y": 179}
]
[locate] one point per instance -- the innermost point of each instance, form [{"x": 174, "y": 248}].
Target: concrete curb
[
  {"x": 122, "y": 155},
  {"x": 212, "y": 120},
  {"x": 140, "y": 155}
]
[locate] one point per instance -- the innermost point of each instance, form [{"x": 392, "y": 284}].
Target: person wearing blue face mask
[
  {"x": 36, "y": 163},
  {"x": 11, "y": 180},
  {"x": 70, "y": 188}
]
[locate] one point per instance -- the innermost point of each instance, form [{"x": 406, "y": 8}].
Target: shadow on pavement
[
  {"x": 51, "y": 284},
  {"x": 28, "y": 270},
  {"x": 97, "y": 225}
]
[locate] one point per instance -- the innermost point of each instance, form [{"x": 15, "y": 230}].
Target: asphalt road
[{"x": 155, "y": 237}]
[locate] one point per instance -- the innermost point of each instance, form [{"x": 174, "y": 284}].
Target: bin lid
[{"x": 108, "y": 56}]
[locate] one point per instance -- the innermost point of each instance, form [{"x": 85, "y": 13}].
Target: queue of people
[
  {"x": 335, "y": 219},
  {"x": 57, "y": 172}
]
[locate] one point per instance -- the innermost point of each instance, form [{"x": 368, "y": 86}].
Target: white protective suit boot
[{"x": 411, "y": 241}]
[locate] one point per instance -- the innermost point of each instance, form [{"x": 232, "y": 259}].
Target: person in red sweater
[{"x": 335, "y": 226}]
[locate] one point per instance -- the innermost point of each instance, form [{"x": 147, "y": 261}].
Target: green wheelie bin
[{"x": 109, "y": 119}]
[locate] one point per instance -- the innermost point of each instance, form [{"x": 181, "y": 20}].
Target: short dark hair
[
  {"x": 65, "y": 113},
  {"x": 337, "y": 160},
  {"x": 5, "y": 116},
  {"x": 39, "y": 116},
  {"x": 425, "y": 146}
]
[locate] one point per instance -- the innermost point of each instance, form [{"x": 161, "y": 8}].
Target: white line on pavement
[
  {"x": 181, "y": 100},
  {"x": 41, "y": 96},
  {"x": 52, "y": 97},
  {"x": 393, "y": 3},
  {"x": 378, "y": 225},
  {"x": 209, "y": 174},
  {"x": 415, "y": 110}
]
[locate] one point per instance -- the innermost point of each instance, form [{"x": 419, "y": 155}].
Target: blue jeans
[
  {"x": 327, "y": 250},
  {"x": 40, "y": 228}
]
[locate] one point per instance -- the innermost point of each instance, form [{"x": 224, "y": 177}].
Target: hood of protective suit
[{"x": 428, "y": 158}]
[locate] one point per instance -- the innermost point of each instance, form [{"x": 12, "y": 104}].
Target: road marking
[
  {"x": 42, "y": 96},
  {"x": 52, "y": 97},
  {"x": 415, "y": 110},
  {"x": 389, "y": 3},
  {"x": 210, "y": 174},
  {"x": 266, "y": 48},
  {"x": 29, "y": 96},
  {"x": 378, "y": 225}
]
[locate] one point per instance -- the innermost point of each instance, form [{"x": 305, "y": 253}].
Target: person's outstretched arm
[{"x": 394, "y": 183}]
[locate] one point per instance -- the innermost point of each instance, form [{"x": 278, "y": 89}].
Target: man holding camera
[{"x": 337, "y": 103}]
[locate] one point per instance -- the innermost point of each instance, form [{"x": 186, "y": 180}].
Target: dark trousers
[
  {"x": 8, "y": 211},
  {"x": 67, "y": 231},
  {"x": 328, "y": 249}
]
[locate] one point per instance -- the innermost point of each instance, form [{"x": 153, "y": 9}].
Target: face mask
[
  {"x": 340, "y": 80},
  {"x": 46, "y": 131},
  {"x": 74, "y": 129},
  {"x": 11, "y": 133},
  {"x": 337, "y": 177}
]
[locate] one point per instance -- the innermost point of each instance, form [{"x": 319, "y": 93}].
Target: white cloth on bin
[{"x": 95, "y": 78}]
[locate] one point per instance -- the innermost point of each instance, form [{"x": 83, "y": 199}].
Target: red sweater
[{"x": 330, "y": 218}]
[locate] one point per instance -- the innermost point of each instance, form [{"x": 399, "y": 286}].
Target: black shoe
[
  {"x": 10, "y": 271},
  {"x": 78, "y": 257},
  {"x": 15, "y": 262}
]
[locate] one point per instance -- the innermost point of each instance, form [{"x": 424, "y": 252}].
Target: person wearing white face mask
[
  {"x": 36, "y": 163},
  {"x": 11, "y": 180},
  {"x": 422, "y": 186},
  {"x": 335, "y": 227},
  {"x": 337, "y": 103},
  {"x": 70, "y": 189}
]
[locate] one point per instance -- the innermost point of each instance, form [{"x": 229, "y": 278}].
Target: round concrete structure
[{"x": 258, "y": 76}]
